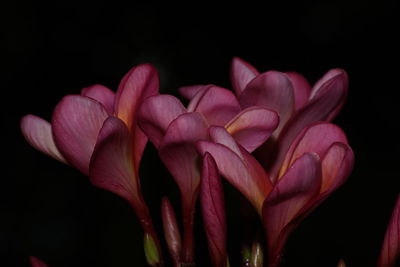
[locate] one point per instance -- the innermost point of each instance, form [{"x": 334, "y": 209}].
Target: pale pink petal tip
[
  {"x": 189, "y": 92},
  {"x": 102, "y": 94},
  {"x": 39, "y": 134},
  {"x": 241, "y": 74},
  {"x": 35, "y": 262}
]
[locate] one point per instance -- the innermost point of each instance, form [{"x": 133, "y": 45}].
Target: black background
[{"x": 53, "y": 49}]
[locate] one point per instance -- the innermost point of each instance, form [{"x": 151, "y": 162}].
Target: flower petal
[
  {"x": 297, "y": 187},
  {"x": 138, "y": 84},
  {"x": 76, "y": 124},
  {"x": 218, "y": 105},
  {"x": 301, "y": 89},
  {"x": 178, "y": 152},
  {"x": 252, "y": 127},
  {"x": 272, "y": 90},
  {"x": 241, "y": 74},
  {"x": 171, "y": 231},
  {"x": 156, "y": 113},
  {"x": 35, "y": 262},
  {"x": 390, "y": 253},
  {"x": 189, "y": 92},
  {"x": 39, "y": 135},
  {"x": 102, "y": 94},
  {"x": 213, "y": 210},
  {"x": 237, "y": 166}
]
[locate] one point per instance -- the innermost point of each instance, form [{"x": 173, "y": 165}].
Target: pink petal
[
  {"x": 301, "y": 89},
  {"x": 317, "y": 138},
  {"x": 237, "y": 166},
  {"x": 102, "y": 94},
  {"x": 252, "y": 127},
  {"x": 171, "y": 231},
  {"x": 156, "y": 113},
  {"x": 179, "y": 154},
  {"x": 35, "y": 262},
  {"x": 39, "y": 135},
  {"x": 76, "y": 124},
  {"x": 213, "y": 211},
  {"x": 189, "y": 92},
  {"x": 293, "y": 191},
  {"x": 138, "y": 84},
  {"x": 272, "y": 90},
  {"x": 217, "y": 104},
  {"x": 241, "y": 74},
  {"x": 390, "y": 253}
]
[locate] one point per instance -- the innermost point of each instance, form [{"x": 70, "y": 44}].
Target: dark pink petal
[
  {"x": 241, "y": 74},
  {"x": 38, "y": 134},
  {"x": 317, "y": 138},
  {"x": 390, "y": 253},
  {"x": 218, "y": 105},
  {"x": 76, "y": 124},
  {"x": 252, "y": 127},
  {"x": 138, "y": 84},
  {"x": 294, "y": 190},
  {"x": 155, "y": 115},
  {"x": 189, "y": 92},
  {"x": 213, "y": 211},
  {"x": 237, "y": 166},
  {"x": 301, "y": 88},
  {"x": 35, "y": 262},
  {"x": 272, "y": 90},
  {"x": 171, "y": 231},
  {"x": 179, "y": 154},
  {"x": 102, "y": 94}
]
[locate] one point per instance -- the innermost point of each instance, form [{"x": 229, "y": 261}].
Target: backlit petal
[
  {"x": 252, "y": 127},
  {"x": 102, "y": 94},
  {"x": 35, "y": 262},
  {"x": 76, "y": 124},
  {"x": 301, "y": 88},
  {"x": 241, "y": 74},
  {"x": 156, "y": 113},
  {"x": 38, "y": 134}
]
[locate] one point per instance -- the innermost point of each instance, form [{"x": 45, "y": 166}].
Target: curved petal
[
  {"x": 138, "y": 84},
  {"x": 38, "y": 134},
  {"x": 213, "y": 211},
  {"x": 76, "y": 124},
  {"x": 155, "y": 115},
  {"x": 102, "y": 94},
  {"x": 189, "y": 92},
  {"x": 300, "y": 184},
  {"x": 252, "y": 127},
  {"x": 241, "y": 74},
  {"x": 301, "y": 88},
  {"x": 35, "y": 262},
  {"x": 272, "y": 90},
  {"x": 178, "y": 152},
  {"x": 218, "y": 105},
  {"x": 390, "y": 252}
]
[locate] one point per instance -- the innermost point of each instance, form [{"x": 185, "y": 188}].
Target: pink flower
[{"x": 35, "y": 262}]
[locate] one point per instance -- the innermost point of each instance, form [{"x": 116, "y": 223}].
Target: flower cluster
[{"x": 271, "y": 138}]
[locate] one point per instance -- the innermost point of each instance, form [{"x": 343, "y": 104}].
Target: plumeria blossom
[
  {"x": 174, "y": 130},
  {"x": 97, "y": 133}
]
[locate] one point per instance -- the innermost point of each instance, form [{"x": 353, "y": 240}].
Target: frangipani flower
[
  {"x": 318, "y": 162},
  {"x": 97, "y": 133},
  {"x": 174, "y": 130}
]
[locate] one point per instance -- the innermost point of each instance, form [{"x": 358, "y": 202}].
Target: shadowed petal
[
  {"x": 241, "y": 74},
  {"x": 301, "y": 88},
  {"x": 38, "y": 134},
  {"x": 156, "y": 113},
  {"x": 218, "y": 105},
  {"x": 138, "y": 84},
  {"x": 390, "y": 252},
  {"x": 293, "y": 191},
  {"x": 171, "y": 231},
  {"x": 272, "y": 90},
  {"x": 252, "y": 127},
  {"x": 35, "y": 262},
  {"x": 213, "y": 211},
  {"x": 76, "y": 124},
  {"x": 189, "y": 92},
  {"x": 102, "y": 94}
]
